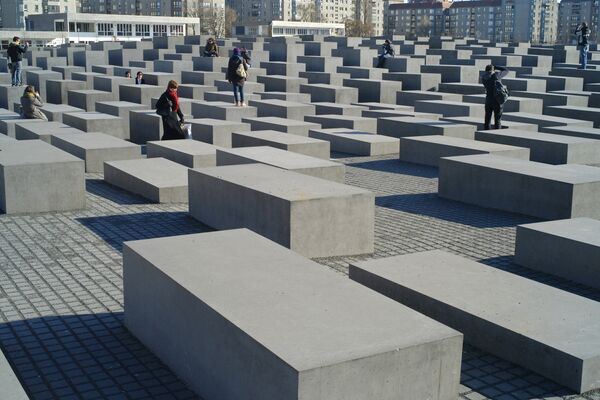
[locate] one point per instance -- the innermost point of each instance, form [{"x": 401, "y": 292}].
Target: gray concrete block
[
  {"x": 344, "y": 121},
  {"x": 38, "y": 80},
  {"x": 97, "y": 122},
  {"x": 209, "y": 64},
  {"x": 225, "y": 347},
  {"x": 144, "y": 126},
  {"x": 297, "y": 97},
  {"x": 160, "y": 79},
  {"x": 9, "y": 95},
  {"x": 141, "y": 94},
  {"x": 190, "y": 153},
  {"x": 331, "y": 94},
  {"x": 479, "y": 125},
  {"x": 281, "y": 83},
  {"x": 409, "y": 97},
  {"x": 414, "y": 81},
  {"x": 577, "y": 131},
  {"x": 282, "y": 109},
  {"x": 227, "y": 97},
  {"x": 569, "y": 248},
  {"x": 311, "y": 216},
  {"x": 450, "y": 108},
  {"x": 11, "y": 387},
  {"x": 283, "y": 159},
  {"x": 371, "y": 90},
  {"x": 525, "y": 187},
  {"x": 156, "y": 179},
  {"x": 454, "y": 73},
  {"x": 546, "y": 147},
  {"x": 87, "y": 77},
  {"x": 355, "y": 142},
  {"x": 193, "y": 91},
  {"x": 55, "y": 112},
  {"x": 582, "y": 113},
  {"x": 410, "y": 126},
  {"x": 285, "y": 141},
  {"x": 201, "y": 77},
  {"x": 249, "y": 87},
  {"x": 221, "y": 110},
  {"x": 95, "y": 148},
  {"x": 57, "y": 90},
  {"x": 29, "y": 130},
  {"x": 87, "y": 99},
  {"x": 544, "y": 329},
  {"x": 215, "y": 131},
  {"x": 8, "y": 125},
  {"x": 513, "y": 104},
  {"x": 294, "y": 127},
  {"x": 36, "y": 177},
  {"x": 325, "y": 108},
  {"x": 67, "y": 70},
  {"x": 428, "y": 150},
  {"x": 545, "y": 120}
]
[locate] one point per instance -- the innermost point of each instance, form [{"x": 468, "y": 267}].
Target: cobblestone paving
[{"x": 61, "y": 302}]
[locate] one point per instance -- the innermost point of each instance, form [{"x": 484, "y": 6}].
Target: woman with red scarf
[{"x": 167, "y": 107}]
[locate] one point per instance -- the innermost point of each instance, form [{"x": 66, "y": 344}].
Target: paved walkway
[{"x": 61, "y": 300}]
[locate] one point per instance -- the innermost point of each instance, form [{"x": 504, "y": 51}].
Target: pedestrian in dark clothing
[
  {"x": 139, "y": 78},
  {"x": 246, "y": 56},
  {"x": 15, "y": 58},
  {"x": 387, "y": 51},
  {"x": 583, "y": 33},
  {"x": 489, "y": 78},
  {"x": 236, "y": 75},
  {"x": 30, "y": 103},
  {"x": 128, "y": 74},
  {"x": 211, "y": 49},
  {"x": 168, "y": 108}
]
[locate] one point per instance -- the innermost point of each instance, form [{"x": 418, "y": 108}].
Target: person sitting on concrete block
[
  {"x": 387, "y": 52},
  {"x": 494, "y": 100},
  {"x": 30, "y": 101},
  {"x": 211, "y": 49}
]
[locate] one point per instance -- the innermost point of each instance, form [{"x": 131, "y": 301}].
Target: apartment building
[
  {"x": 335, "y": 11},
  {"x": 176, "y": 8},
  {"x": 257, "y": 12},
  {"x": 572, "y": 13},
  {"x": 423, "y": 18},
  {"x": 14, "y": 12}
]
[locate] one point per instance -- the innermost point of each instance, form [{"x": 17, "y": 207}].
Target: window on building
[
  {"x": 159, "y": 30},
  {"x": 176, "y": 30},
  {"x": 142, "y": 30},
  {"x": 124, "y": 30},
  {"x": 105, "y": 29}
]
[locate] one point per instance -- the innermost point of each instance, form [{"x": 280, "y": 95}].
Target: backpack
[
  {"x": 163, "y": 106},
  {"x": 500, "y": 92}
]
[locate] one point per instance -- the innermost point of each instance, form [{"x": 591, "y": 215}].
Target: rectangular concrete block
[
  {"x": 156, "y": 179},
  {"x": 294, "y": 127},
  {"x": 428, "y": 150},
  {"x": 95, "y": 148},
  {"x": 335, "y": 339},
  {"x": 525, "y": 187},
  {"x": 144, "y": 126},
  {"x": 356, "y": 142},
  {"x": 544, "y": 120},
  {"x": 36, "y": 177},
  {"x": 577, "y": 131},
  {"x": 87, "y": 99},
  {"x": 546, "y": 147},
  {"x": 344, "y": 121},
  {"x": 544, "y": 329},
  {"x": 312, "y": 216},
  {"x": 55, "y": 112},
  {"x": 284, "y": 141},
  {"x": 57, "y": 90},
  {"x": 12, "y": 389},
  {"x": 190, "y": 153},
  {"x": 479, "y": 125},
  {"x": 450, "y": 108},
  {"x": 41, "y": 131},
  {"x": 98, "y": 122},
  {"x": 371, "y": 90},
  {"x": 282, "y": 109},
  {"x": 283, "y": 159},
  {"x": 330, "y": 93},
  {"x": 215, "y": 131},
  {"x": 569, "y": 248},
  {"x": 410, "y": 126},
  {"x": 141, "y": 94},
  {"x": 221, "y": 110}
]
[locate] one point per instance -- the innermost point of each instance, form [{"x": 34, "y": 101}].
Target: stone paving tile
[{"x": 61, "y": 302}]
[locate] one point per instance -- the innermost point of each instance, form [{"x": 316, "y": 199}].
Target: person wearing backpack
[
  {"x": 168, "y": 108},
  {"x": 237, "y": 72},
  {"x": 583, "y": 33},
  {"x": 496, "y": 94}
]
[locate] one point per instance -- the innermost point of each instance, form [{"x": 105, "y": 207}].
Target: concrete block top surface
[
  {"x": 92, "y": 115},
  {"x": 550, "y": 118},
  {"x": 548, "y": 315},
  {"x": 567, "y": 173},
  {"x": 95, "y": 140},
  {"x": 584, "y": 230},
  {"x": 61, "y": 108},
  {"x": 278, "y": 121},
  {"x": 213, "y": 122},
  {"x": 32, "y": 152},
  {"x": 538, "y": 136},
  {"x": 281, "y": 183},
  {"x": 191, "y": 147},
  {"x": 315, "y": 317},
  {"x": 158, "y": 171},
  {"x": 462, "y": 143},
  {"x": 280, "y": 158},
  {"x": 279, "y": 137},
  {"x": 355, "y": 135}
]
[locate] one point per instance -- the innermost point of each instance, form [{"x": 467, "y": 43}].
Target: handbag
[{"x": 241, "y": 71}]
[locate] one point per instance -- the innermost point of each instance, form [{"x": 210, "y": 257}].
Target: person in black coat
[
  {"x": 387, "y": 51},
  {"x": 236, "y": 75},
  {"x": 168, "y": 108},
  {"x": 582, "y": 43},
  {"x": 489, "y": 78},
  {"x": 139, "y": 78},
  {"x": 15, "y": 57}
]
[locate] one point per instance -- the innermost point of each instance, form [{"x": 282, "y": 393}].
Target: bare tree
[
  {"x": 213, "y": 21},
  {"x": 307, "y": 12},
  {"x": 230, "y": 20},
  {"x": 361, "y": 25}
]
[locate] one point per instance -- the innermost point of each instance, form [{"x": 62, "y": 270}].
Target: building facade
[
  {"x": 14, "y": 12},
  {"x": 573, "y": 12},
  {"x": 256, "y": 12},
  {"x": 533, "y": 21}
]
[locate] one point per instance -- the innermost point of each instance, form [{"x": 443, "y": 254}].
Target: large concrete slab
[
  {"x": 282, "y": 109},
  {"x": 216, "y": 131},
  {"x": 221, "y": 110},
  {"x": 283, "y": 159},
  {"x": 294, "y": 127},
  {"x": 191, "y": 153},
  {"x": 544, "y": 120},
  {"x": 95, "y": 148},
  {"x": 314, "y": 217},
  {"x": 577, "y": 131},
  {"x": 569, "y": 248},
  {"x": 98, "y": 122},
  {"x": 36, "y": 177},
  {"x": 156, "y": 179},
  {"x": 399, "y": 127},
  {"x": 428, "y": 150},
  {"x": 546, "y": 147},
  {"x": 291, "y": 322},
  {"x": 11, "y": 387},
  {"x": 548, "y": 330},
  {"x": 284, "y": 141},
  {"x": 344, "y": 121},
  {"x": 41, "y": 131},
  {"x": 356, "y": 142},
  {"x": 525, "y": 187}
]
